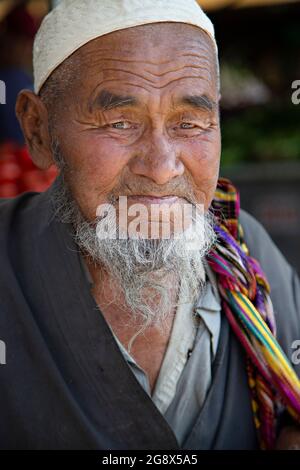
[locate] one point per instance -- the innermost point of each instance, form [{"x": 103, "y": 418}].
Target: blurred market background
[{"x": 259, "y": 50}]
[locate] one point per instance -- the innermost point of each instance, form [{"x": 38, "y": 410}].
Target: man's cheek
[
  {"x": 203, "y": 165},
  {"x": 204, "y": 159},
  {"x": 103, "y": 159}
]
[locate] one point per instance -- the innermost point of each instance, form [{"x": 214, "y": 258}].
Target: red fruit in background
[
  {"x": 33, "y": 181},
  {"x": 9, "y": 171},
  {"x": 18, "y": 173},
  {"x": 8, "y": 190},
  {"x": 24, "y": 158}
]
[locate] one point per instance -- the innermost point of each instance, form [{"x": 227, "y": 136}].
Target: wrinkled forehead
[
  {"x": 148, "y": 62},
  {"x": 156, "y": 49},
  {"x": 160, "y": 41}
]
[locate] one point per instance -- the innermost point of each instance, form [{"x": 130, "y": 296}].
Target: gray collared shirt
[{"x": 185, "y": 374}]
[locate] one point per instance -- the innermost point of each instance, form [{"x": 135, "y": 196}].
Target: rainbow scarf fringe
[{"x": 245, "y": 295}]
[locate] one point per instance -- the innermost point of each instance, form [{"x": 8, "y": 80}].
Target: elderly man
[{"x": 138, "y": 341}]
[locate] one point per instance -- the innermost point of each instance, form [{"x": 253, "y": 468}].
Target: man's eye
[
  {"x": 187, "y": 125},
  {"x": 121, "y": 125}
]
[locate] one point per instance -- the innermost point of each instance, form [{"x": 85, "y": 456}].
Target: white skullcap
[{"x": 74, "y": 23}]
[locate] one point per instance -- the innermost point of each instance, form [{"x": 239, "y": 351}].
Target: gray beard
[{"x": 139, "y": 267}]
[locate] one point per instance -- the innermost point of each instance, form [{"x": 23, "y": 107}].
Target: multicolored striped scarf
[{"x": 245, "y": 295}]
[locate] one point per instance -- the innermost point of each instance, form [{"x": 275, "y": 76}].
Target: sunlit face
[{"x": 141, "y": 117}]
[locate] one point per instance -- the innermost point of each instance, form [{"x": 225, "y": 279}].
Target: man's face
[
  {"x": 141, "y": 117},
  {"x": 137, "y": 116}
]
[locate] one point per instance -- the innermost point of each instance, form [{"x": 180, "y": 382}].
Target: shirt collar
[{"x": 208, "y": 306}]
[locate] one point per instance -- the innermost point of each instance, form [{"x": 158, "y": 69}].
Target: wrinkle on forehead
[
  {"x": 155, "y": 48},
  {"x": 148, "y": 57},
  {"x": 156, "y": 34}
]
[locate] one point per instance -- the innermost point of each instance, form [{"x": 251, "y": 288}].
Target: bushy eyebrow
[
  {"x": 107, "y": 100},
  {"x": 201, "y": 102}
]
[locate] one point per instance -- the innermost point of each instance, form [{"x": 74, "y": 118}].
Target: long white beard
[{"x": 139, "y": 267}]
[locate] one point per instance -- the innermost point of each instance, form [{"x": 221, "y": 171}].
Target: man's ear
[{"x": 33, "y": 117}]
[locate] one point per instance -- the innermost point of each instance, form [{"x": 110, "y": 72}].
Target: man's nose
[{"x": 157, "y": 160}]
